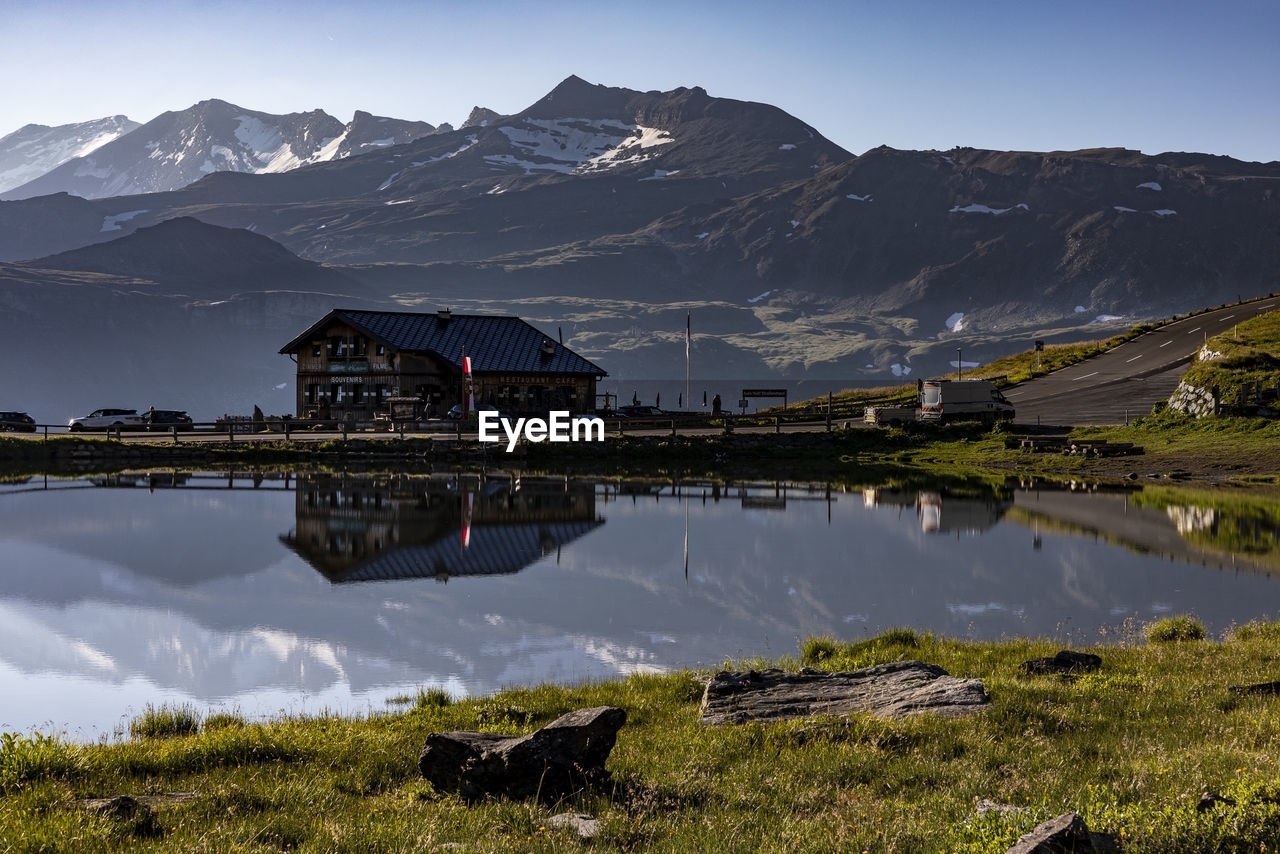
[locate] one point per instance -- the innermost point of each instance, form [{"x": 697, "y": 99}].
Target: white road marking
[
  {"x": 1016, "y": 394},
  {"x": 1086, "y": 376},
  {"x": 1166, "y": 344},
  {"x": 1225, "y": 319},
  {"x": 1134, "y": 359},
  {"x": 1197, "y": 329}
]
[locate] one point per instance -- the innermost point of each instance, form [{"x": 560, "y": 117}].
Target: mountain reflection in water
[{"x": 242, "y": 589}]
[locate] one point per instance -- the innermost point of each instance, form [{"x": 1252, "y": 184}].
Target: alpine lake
[{"x": 303, "y": 592}]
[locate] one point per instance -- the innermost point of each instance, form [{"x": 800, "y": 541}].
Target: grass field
[{"x": 1130, "y": 747}]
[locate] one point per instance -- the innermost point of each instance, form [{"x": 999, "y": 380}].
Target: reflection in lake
[
  {"x": 366, "y": 528},
  {"x": 254, "y": 591}
]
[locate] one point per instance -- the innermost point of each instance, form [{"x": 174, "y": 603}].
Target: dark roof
[
  {"x": 494, "y": 550},
  {"x": 495, "y": 343}
]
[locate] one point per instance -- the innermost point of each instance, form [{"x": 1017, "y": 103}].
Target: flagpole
[{"x": 688, "y": 329}]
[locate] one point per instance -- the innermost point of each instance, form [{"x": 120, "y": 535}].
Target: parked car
[
  {"x": 640, "y": 412},
  {"x": 17, "y": 422},
  {"x": 167, "y": 419},
  {"x": 455, "y": 412},
  {"x": 105, "y": 419}
]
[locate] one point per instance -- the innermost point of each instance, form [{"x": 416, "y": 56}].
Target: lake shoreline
[
  {"x": 1231, "y": 449},
  {"x": 1153, "y": 748}
]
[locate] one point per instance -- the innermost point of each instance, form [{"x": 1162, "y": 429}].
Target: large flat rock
[{"x": 894, "y": 690}]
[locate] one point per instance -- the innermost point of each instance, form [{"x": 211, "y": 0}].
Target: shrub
[
  {"x": 817, "y": 650},
  {"x": 23, "y": 760},
  {"x": 434, "y": 697},
  {"x": 223, "y": 720},
  {"x": 165, "y": 721},
  {"x": 1254, "y": 630},
  {"x": 1173, "y": 629},
  {"x": 900, "y": 636}
]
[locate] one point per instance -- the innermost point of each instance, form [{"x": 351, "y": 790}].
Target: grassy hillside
[{"x": 1250, "y": 357}]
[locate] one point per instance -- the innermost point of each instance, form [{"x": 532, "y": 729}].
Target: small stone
[
  {"x": 1066, "y": 834},
  {"x": 584, "y": 825},
  {"x": 139, "y": 818},
  {"x": 1210, "y": 799},
  {"x": 1066, "y": 661},
  {"x": 986, "y": 807}
]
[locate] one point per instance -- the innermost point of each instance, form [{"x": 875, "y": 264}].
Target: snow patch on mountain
[
  {"x": 858, "y": 198},
  {"x": 955, "y": 322},
  {"x": 389, "y": 181},
  {"x": 900, "y": 370},
  {"x": 787, "y": 147},
  {"x": 1164, "y": 212},
  {"x": 978, "y": 209},
  {"x": 266, "y": 145},
  {"x": 659, "y": 174},
  {"x": 754, "y": 300},
  {"x": 1106, "y": 318},
  {"x": 112, "y": 223},
  {"x": 1123, "y": 209},
  {"x": 33, "y": 150},
  {"x": 572, "y": 145},
  {"x": 1151, "y": 185},
  {"x": 471, "y": 140}
]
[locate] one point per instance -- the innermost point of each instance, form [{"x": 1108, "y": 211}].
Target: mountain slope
[
  {"x": 366, "y": 132},
  {"x": 177, "y": 148},
  {"x": 193, "y": 259},
  {"x": 190, "y": 317},
  {"x": 33, "y": 150}
]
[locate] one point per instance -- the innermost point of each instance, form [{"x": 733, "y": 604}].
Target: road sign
[{"x": 764, "y": 392}]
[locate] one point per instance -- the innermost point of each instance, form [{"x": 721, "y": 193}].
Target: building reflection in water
[
  {"x": 943, "y": 512},
  {"x": 361, "y": 527}
]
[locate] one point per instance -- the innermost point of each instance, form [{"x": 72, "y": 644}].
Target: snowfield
[
  {"x": 112, "y": 223},
  {"x": 977, "y": 208},
  {"x": 580, "y": 146}
]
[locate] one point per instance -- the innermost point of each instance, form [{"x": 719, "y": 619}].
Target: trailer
[{"x": 890, "y": 416}]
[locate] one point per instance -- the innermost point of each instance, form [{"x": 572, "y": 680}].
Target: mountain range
[
  {"x": 611, "y": 213},
  {"x": 179, "y": 147},
  {"x": 33, "y": 150}
]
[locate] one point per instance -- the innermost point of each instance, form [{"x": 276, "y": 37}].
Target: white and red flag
[{"x": 468, "y": 387}]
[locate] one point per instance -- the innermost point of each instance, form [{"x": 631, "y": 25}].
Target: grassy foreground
[{"x": 1131, "y": 748}]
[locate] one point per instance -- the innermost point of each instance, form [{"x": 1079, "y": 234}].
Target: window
[
  {"x": 357, "y": 394},
  {"x": 315, "y": 348},
  {"x": 381, "y": 350}
]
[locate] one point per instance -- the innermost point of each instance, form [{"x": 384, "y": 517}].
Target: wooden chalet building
[{"x": 351, "y": 363}]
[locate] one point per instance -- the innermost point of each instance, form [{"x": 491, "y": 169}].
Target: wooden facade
[{"x": 348, "y": 370}]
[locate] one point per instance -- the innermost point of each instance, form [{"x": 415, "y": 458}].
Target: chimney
[
  {"x": 548, "y": 347},
  {"x": 443, "y": 315}
]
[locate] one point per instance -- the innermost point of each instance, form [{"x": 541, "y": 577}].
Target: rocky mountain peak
[{"x": 481, "y": 117}]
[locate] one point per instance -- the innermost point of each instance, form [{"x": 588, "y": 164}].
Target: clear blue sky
[{"x": 1032, "y": 75}]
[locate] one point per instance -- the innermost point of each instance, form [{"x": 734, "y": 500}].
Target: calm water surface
[{"x": 307, "y": 592}]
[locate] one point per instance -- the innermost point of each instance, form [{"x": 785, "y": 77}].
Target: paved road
[{"x": 1126, "y": 382}]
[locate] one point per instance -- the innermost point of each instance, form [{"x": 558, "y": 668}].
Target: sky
[{"x": 1028, "y": 75}]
